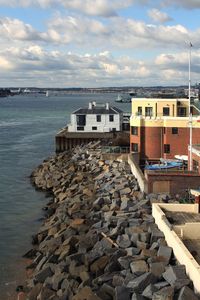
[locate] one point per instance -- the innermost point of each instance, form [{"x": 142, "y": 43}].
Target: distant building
[
  {"x": 160, "y": 127},
  {"x": 96, "y": 118}
]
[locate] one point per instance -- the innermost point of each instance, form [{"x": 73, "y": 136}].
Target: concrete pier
[{"x": 66, "y": 140}]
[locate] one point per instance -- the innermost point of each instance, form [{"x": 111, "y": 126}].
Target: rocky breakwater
[{"x": 99, "y": 240}]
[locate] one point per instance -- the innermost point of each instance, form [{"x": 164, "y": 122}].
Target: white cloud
[
  {"x": 105, "y": 8},
  {"x": 158, "y": 16}
]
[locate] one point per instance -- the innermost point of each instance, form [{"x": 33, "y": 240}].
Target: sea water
[{"x": 28, "y": 125}]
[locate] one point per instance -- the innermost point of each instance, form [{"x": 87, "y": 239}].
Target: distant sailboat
[
  {"x": 119, "y": 98},
  {"x": 47, "y": 93}
]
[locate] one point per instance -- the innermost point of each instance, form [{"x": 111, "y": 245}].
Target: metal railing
[{"x": 115, "y": 149}]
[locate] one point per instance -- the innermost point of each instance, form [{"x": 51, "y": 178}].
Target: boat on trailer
[{"x": 165, "y": 164}]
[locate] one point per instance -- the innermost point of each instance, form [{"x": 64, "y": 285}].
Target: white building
[{"x": 96, "y": 117}]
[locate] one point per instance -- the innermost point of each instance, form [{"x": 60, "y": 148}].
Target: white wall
[{"x": 104, "y": 126}]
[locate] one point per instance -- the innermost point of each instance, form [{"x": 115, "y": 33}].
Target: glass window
[
  {"x": 80, "y": 128},
  {"x": 139, "y": 110},
  {"x": 134, "y": 147},
  {"x": 148, "y": 111},
  {"x": 98, "y": 118},
  {"x": 181, "y": 111},
  {"x": 134, "y": 130},
  {"x": 111, "y": 118},
  {"x": 166, "y": 111},
  {"x": 94, "y": 128},
  {"x": 166, "y": 148},
  {"x": 174, "y": 130}
]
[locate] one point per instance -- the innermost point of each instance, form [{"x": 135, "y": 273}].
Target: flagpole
[{"x": 190, "y": 111}]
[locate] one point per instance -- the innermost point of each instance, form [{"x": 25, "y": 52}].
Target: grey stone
[
  {"x": 139, "y": 267},
  {"x": 123, "y": 241},
  {"x": 132, "y": 251},
  {"x": 187, "y": 294},
  {"x": 140, "y": 283},
  {"x": 165, "y": 252},
  {"x": 117, "y": 280},
  {"x": 43, "y": 274},
  {"x": 161, "y": 284},
  {"x": 122, "y": 293},
  {"x": 137, "y": 297},
  {"x": 157, "y": 268},
  {"x": 57, "y": 280},
  {"x": 126, "y": 204},
  {"x": 167, "y": 293},
  {"x": 176, "y": 276},
  {"x": 155, "y": 235},
  {"x": 149, "y": 291}
]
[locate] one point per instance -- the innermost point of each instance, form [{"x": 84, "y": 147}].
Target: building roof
[{"x": 98, "y": 110}]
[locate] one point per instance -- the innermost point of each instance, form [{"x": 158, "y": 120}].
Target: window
[
  {"x": 79, "y": 128},
  {"x": 181, "y": 111},
  {"x": 134, "y": 147},
  {"x": 81, "y": 120},
  {"x": 174, "y": 130},
  {"x": 134, "y": 130},
  {"x": 195, "y": 165},
  {"x": 164, "y": 130},
  {"x": 94, "y": 128},
  {"x": 98, "y": 118},
  {"x": 148, "y": 111},
  {"x": 166, "y": 148},
  {"x": 139, "y": 110},
  {"x": 111, "y": 118},
  {"x": 166, "y": 111}
]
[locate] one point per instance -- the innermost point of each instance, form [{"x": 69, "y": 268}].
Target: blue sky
[{"x": 94, "y": 43}]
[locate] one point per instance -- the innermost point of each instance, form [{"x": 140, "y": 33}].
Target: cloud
[
  {"x": 158, "y": 16},
  {"x": 104, "y": 8},
  {"x": 189, "y": 4}
]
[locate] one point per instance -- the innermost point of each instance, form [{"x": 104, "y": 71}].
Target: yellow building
[{"x": 160, "y": 127}]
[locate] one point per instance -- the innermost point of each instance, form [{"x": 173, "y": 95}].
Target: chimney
[
  {"x": 107, "y": 106},
  {"x": 90, "y": 105}
]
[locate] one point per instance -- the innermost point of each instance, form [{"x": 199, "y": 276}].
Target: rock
[
  {"x": 137, "y": 297},
  {"x": 123, "y": 241},
  {"x": 167, "y": 293},
  {"x": 139, "y": 267},
  {"x": 157, "y": 268},
  {"x": 122, "y": 293},
  {"x": 156, "y": 234},
  {"x": 149, "y": 291},
  {"x": 43, "y": 274},
  {"x": 132, "y": 251},
  {"x": 140, "y": 283},
  {"x": 187, "y": 294},
  {"x": 99, "y": 264},
  {"x": 176, "y": 276},
  {"x": 35, "y": 291},
  {"x": 86, "y": 293},
  {"x": 46, "y": 293},
  {"x": 165, "y": 252}
]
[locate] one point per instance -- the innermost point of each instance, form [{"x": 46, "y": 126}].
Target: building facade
[
  {"x": 96, "y": 118},
  {"x": 159, "y": 128}
]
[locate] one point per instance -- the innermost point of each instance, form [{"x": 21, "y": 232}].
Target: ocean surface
[{"x": 28, "y": 125}]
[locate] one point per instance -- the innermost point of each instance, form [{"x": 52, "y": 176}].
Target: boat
[
  {"x": 119, "y": 98},
  {"x": 165, "y": 164},
  {"x": 125, "y": 99}
]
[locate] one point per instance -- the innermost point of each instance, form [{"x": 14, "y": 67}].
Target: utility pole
[{"x": 190, "y": 111}]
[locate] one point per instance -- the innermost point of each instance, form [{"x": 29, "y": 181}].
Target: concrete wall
[
  {"x": 178, "y": 182},
  {"x": 138, "y": 173},
  {"x": 180, "y": 251}
]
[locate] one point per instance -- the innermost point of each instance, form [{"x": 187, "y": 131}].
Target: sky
[{"x": 98, "y": 43}]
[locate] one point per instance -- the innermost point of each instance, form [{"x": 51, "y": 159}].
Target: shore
[{"x": 99, "y": 240}]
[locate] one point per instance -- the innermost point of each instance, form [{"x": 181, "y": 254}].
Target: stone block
[
  {"x": 187, "y": 294},
  {"x": 167, "y": 293},
  {"x": 140, "y": 283},
  {"x": 139, "y": 267},
  {"x": 122, "y": 293},
  {"x": 43, "y": 274},
  {"x": 123, "y": 241},
  {"x": 165, "y": 252},
  {"x": 149, "y": 291},
  {"x": 157, "y": 268},
  {"x": 176, "y": 276}
]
